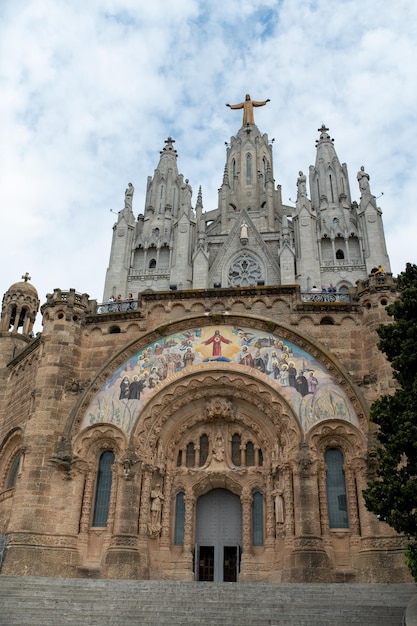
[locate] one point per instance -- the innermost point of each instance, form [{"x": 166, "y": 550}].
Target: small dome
[{"x": 23, "y": 287}]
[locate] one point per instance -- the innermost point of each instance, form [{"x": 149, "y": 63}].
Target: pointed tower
[
  {"x": 123, "y": 236},
  {"x": 200, "y": 256},
  {"x": 245, "y": 234},
  {"x": 370, "y": 224},
  {"x": 339, "y": 238}
]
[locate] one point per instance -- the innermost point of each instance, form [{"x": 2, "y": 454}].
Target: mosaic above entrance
[{"x": 307, "y": 386}]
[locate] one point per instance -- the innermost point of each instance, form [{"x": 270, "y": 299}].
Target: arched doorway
[{"x": 218, "y": 536}]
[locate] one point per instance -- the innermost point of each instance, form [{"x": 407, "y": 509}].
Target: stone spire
[{"x": 329, "y": 183}]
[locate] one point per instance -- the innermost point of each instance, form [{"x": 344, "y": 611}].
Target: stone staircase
[{"x": 33, "y": 601}]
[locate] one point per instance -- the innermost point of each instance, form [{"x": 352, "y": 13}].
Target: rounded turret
[{"x": 19, "y": 308}]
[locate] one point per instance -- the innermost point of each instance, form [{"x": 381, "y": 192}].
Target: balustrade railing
[
  {"x": 324, "y": 296},
  {"x": 117, "y": 306}
]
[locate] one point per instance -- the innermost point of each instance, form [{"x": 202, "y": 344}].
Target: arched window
[
  {"x": 236, "y": 460},
  {"x": 249, "y": 454},
  {"x": 179, "y": 519},
  {"x": 263, "y": 172},
  {"x": 336, "y": 489},
  {"x": 179, "y": 458},
  {"x": 103, "y": 489},
  {"x": 190, "y": 455},
  {"x": 340, "y": 254},
  {"x": 248, "y": 169},
  {"x": 152, "y": 264},
  {"x": 331, "y": 187},
  {"x": 203, "y": 449},
  {"x": 257, "y": 519},
  {"x": 13, "y": 472}
]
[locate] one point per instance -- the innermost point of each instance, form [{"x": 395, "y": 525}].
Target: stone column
[
  {"x": 309, "y": 561},
  {"x": 246, "y": 500},
  {"x": 269, "y": 513},
  {"x": 144, "y": 504},
  {"x": 166, "y": 511},
  {"x": 122, "y": 558},
  {"x": 189, "y": 503}
]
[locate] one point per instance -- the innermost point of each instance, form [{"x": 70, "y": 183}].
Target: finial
[
  {"x": 323, "y": 132},
  {"x": 169, "y": 145},
  {"x": 26, "y": 277}
]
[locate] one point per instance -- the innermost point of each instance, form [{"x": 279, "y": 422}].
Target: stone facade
[{"x": 223, "y": 376}]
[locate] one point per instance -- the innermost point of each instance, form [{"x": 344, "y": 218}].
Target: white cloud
[{"x": 90, "y": 90}]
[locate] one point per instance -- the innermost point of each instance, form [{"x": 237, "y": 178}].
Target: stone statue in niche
[
  {"x": 157, "y": 498},
  {"x": 279, "y": 511},
  {"x": 218, "y": 449}
]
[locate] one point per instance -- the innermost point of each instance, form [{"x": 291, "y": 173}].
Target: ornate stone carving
[
  {"x": 128, "y": 463},
  {"x": 304, "y": 460},
  {"x": 64, "y": 458},
  {"x": 219, "y": 408}
]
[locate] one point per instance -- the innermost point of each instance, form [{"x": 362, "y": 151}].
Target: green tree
[{"x": 392, "y": 495}]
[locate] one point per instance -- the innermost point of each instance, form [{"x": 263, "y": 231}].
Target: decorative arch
[
  {"x": 352, "y": 444},
  {"x": 10, "y": 450},
  {"x": 195, "y": 403},
  {"x": 165, "y": 347}
]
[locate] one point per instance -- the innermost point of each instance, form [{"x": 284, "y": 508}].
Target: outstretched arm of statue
[
  {"x": 260, "y": 104},
  {"x": 236, "y": 106}
]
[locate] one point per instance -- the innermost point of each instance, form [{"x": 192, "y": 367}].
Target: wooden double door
[{"x": 218, "y": 536}]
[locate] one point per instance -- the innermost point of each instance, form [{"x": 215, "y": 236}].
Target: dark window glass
[
  {"x": 249, "y": 454},
  {"x": 103, "y": 489},
  {"x": 179, "y": 520},
  {"x": 13, "y": 471},
  {"x": 190, "y": 455},
  {"x": 336, "y": 489},
  {"x": 236, "y": 450},
  {"x": 203, "y": 449},
  {"x": 257, "y": 519}
]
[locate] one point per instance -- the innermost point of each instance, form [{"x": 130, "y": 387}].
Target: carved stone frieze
[
  {"x": 219, "y": 408},
  {"x": 371, "y": 544},
  {"x": 37, "y": 539}
]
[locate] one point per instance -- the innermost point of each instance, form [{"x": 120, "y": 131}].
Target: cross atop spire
[
  {"x": 323, "y": 132},
  {"x": 26, "y": 277},
  {"x": 169, "y": 145}
]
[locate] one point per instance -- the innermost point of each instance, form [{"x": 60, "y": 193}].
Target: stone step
[{"x": 32, "y": 601}]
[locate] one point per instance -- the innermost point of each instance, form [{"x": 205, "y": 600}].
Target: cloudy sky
[{"x": 91, "y": 89}]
